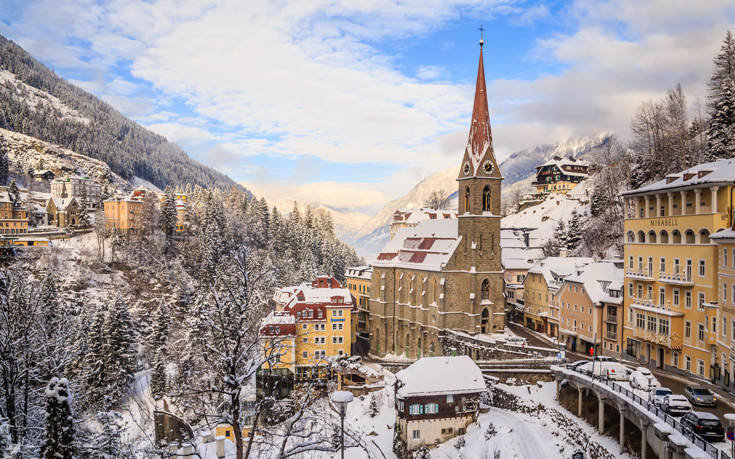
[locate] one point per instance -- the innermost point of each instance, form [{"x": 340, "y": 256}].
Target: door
[
  {"x": 648, "y": 352},
  {"x": 660, "y": 361}
]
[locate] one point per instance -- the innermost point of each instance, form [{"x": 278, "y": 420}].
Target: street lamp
[{"x": 340, "y": 399}]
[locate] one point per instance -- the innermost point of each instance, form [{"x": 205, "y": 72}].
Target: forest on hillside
[{"x": 127, "y": 147}]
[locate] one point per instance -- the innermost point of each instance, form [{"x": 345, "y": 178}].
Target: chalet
[
  {"x": 560, "y": 175},
  {"x": 44, "y": 174},
  {"x": 437, "y": 398}
]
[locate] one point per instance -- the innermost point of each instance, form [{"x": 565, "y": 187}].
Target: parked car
[
  {"x": 603, "y": 358},
  {"x": 706, "y": 425},
  {"x": 656, "y": 396},
  {"x": 609, "y": 370},
  {"x": 577, "y": 364},
  {"x": 700, "y": 396},
  {"x": 675, "y": 405},
  {"x": 643, "y": 379}
]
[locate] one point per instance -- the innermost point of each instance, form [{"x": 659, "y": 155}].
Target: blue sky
[{"x": 351, "y": 103}]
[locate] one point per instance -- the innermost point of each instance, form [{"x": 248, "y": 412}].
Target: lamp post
[{"x": 341, "y": 399}]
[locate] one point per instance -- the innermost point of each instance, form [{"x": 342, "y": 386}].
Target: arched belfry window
[
  {"x": 486, "y": 199},
  {"x": 467, "y": 200},
  {"x": 485, "y": 290}
]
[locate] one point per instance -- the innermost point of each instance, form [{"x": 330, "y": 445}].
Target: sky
[{"x": 350, "y": 103}]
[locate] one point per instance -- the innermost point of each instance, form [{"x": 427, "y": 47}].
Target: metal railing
[{"x": 698, "y": 441}]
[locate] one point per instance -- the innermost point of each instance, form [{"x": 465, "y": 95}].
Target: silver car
[{"x": 656, "y": 396}]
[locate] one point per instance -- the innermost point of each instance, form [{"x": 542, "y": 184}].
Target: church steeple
[{"x": 479, "y": 157}]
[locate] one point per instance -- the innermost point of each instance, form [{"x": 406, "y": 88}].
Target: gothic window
[
  {"x": 485, "y": 290},
  {"x": 433, "y": 291},
  {"x": 467, "y": 200},
  {"x": 486, "y": 199}
]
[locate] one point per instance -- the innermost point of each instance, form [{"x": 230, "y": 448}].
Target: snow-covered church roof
[
  {"x": 441, "y": 376},
  {"x": 427, "y": 246}
]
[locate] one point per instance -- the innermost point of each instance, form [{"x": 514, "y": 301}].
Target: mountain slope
[{"x": 36, "y": 102}]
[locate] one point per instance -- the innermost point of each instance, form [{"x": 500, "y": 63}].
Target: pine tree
[
  {"x": 4, "y": 163},
  {"x": 721, "y": 131},
  {"x": 83, "y": 220},
  {"x": 157, "y": 341},
  {"x": 14, "y": 194},
  {"x": 724, "y": 68},
  {"x": 169, "y": 216},
  {"x": 557, "y": 241},
  {"x": 95, "y": 360},
  {"x": 574, "y": 232},
  {"x": 59, "y": 441},
  {"x": 120, "y": 352},
  {"x": 373, "y": 409}
]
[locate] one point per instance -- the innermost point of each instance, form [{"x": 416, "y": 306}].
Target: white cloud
[{"x": 334, "y": 194}]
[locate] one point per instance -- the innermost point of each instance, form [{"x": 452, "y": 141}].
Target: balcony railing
[
  {"x": 676, "y": 278},
  {"x": 639, "y": 274}
]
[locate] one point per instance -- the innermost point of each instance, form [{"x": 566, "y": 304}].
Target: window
[
  {"x": 486, "y": 199},
  {"x": 662, "y": 265},
  {"x": 640, "y": 264},
  {"x": 675, "y": 359},
  {"x": 640, "y": 320},
  {"x": 700, "y": 367},
  {"x": 714, "y": 325},
  {"x": 700, "y": 299},
  {"x": 724, "y": 257},
  {"x": 687, "y": 363},
  {"x": 630, "y": 262},
  {"x": 700, "y": 332},
  {"x": 431, "y": 408},
  {"x": 676, "y": 297},
  {"x": 688, "y": 329},
  {"x": 661, "y": 296},
  {"x": 450, "y": 398},
  {"x": 688, "y": 299},
  {"x": 305, "y": 355},
  {"x": 305, "y": 340},
  {"x": 652, "y": 324},
  {"x": 677, "y": 267},
  {"x": 640, "y": 291},
  {"x": 724, "y": 327},
  {"x": 663, "y": 327},
  {"x": 702, "y": 268},
  {"x": 416, "y": 434},
  {"x": 630, "y": 289},
  {"x": 724, "y": 292},
  {"x": 650, "y": 293}
]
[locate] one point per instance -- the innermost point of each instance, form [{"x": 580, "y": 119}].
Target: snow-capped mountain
[{"x": 518, "y": 171}]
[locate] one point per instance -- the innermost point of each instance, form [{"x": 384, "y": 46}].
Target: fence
[{"x": 698, "y": 441}]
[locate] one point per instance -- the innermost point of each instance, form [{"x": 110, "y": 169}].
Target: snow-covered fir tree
[
  {"x": 721, "y": 132},
  {"x": 83, "y": 214},
  {"x": 574, "y": 232},
  {"x": 120, "y": 354},
  {"x": 157, "y": 342},
  {"x": 59, "y": 442},
  {"x": 169, "y": 216},
  {"x": 4, "y": 163}
]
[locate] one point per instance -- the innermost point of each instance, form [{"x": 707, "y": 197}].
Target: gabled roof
[
  {"x": 440, "y": 376},
  {"x": 716, "y": 172},
  {"x": 555, "y": 269},
  {"x": 427, "y": 246},
  {"x": 598, "y": 278}
]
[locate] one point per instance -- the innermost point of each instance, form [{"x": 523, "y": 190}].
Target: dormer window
[
  {"x": 701, "y": 174},
  {"x": 688, "y": 176},
  {"x": 671, "y": 178}
]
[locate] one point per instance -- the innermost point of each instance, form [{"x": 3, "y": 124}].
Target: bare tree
[{"x": 438, "y": 199}]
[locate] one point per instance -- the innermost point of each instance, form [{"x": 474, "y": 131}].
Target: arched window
[
  {"x": 690, "y": 238},
  {"x": 652, "y": 237},
  {"x": 631, "y": 236},
  {"x": 486, "y": 199},
  {"x": 485, "y": 290},
  {"x": 433, "y": 291},
  {"x": 664, "y": 239},
  {"x": 431, "y": 349},
  {"x": 467, "y": 200},
  {"x": 641, "y": 236},
  {"x": 704, "y": 236},
  {"x": 676, "y": 236}
]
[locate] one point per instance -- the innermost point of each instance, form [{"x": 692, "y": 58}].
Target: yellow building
[
  {"x": 314, "y": 326},
  {"x": 671, "y": 270},
  {"x": 725, "y": 363},
  {"x": 123, "y": 214},
  {"x": 13, "y": 220},
  {"x": 541, "y": 310},
  {"x": 358, "y": 280}
]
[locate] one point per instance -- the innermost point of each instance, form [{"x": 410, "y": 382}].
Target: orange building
[
  {"x": 13, "y": 220},
  {"x": 123, "y": 214}
]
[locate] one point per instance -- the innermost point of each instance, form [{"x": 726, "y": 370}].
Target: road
[{"x": 725, "y": 401}]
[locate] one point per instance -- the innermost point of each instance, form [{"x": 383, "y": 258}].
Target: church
[{"x": 445, "y": 275}]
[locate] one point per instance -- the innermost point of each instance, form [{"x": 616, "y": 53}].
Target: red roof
[
  {"x": 427, "y": 243},
  {"x": 387, "y": 256},
  {"x": 417, "y": 257},
  {"x": 480, "y": 133}
]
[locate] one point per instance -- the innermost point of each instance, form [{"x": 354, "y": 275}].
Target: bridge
[{"x": 661, "y": 435}]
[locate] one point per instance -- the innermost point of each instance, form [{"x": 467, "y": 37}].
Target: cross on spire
[{"x": 481, "y": 29}]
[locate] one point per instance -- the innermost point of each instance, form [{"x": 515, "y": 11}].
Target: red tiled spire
[{"x": 481, "y": 136}]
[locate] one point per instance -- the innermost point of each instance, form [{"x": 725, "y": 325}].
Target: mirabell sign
[{"x": 664, "y": 222}]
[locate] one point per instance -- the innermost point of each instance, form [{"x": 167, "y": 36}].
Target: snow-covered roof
[
  {"x": 61, "y": 203},
  {"x": 555, "y": 269},
  {"x": 360, "y": 272},
  {"x": 441, "y": 375},
  {"x": 716, "y": 172},
  {"x": 427, "y": 246},
  {"x": 597, "y": 279},
  {"x": 278, "y": 318},
  {"x": 723, "y": 235},
  {"x": 316, "y": 295},
  {"x": 559, "y": 162}
]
